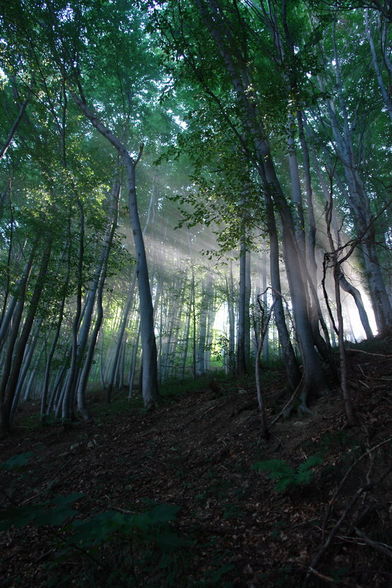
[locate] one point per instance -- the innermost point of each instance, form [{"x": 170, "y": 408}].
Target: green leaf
[
  {"x": 163, "y": 513},
  {"x": 312, "y": 461},
  {"x": 285, "y": 475},
  {"x": 284, "y": 483},
  {"x": 53, "y": 513},
  {"x": 277, "y": 468},
  {"x": 169, "y": 541},
  {"x": 304, "y": 471},
  {"x": 100, "y": 527},
  {"x": 17, "y": 461}
]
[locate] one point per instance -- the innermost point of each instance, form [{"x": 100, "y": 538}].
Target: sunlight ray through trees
[{"x": 165, "y": 162}]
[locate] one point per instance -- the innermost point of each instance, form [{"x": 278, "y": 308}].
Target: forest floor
[{"x": 234, "y": 525}]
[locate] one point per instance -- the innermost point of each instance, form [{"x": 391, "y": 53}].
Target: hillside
[{"x": 233, "y": 526}]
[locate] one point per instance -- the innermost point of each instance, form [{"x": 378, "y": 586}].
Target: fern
[
  {"x": 53, "y": 513},
  {"x": 17, "y": 461},
  {"x": 285, "y": 476}
]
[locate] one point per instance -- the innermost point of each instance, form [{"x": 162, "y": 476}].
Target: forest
[{"x": 195, "y": 227}]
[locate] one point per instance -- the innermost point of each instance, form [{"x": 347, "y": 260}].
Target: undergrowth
[
  {"x": 287, "y": 477},
  {"x": 111, "y": 548}
]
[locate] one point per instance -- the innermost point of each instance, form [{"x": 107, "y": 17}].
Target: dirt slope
[{"x": 233, "y": 527}]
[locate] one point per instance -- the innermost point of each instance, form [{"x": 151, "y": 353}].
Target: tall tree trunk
[
  {"x": 376, "y": 66},
  {"x": 45, "y": 387},
  {"x": 17, "y": 300},
  {"x": 194, "y": 337},
  {"x": 289, "y": 358},
  {"x": 11, "y": 134},
  {"x": 132, "y": 368},
  {"x": 10, "y": 377},
  {"x": 359, "y": 202},
  {"x": 96, "y": 291},
  {"x": 313, "y": 380},
  {"x": 202, "y": 335},
  {"x": 231, "y": 364},
  {"x": 68, "y": 393},
  {"x": 243, "y": 312},
  {"x": 27, "y": 359},
  {"x": 355, "y": 293},
  {"x": 149, "y": 350},
  {"x": 120, "y": 339},
  {"x": 333, "y": 257},
  {"x": 187, "y": 331}
]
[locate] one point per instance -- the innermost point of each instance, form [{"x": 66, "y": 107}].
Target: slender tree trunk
[
  {"x": 231, "y": 313},
  {"x": 209, "y": 331},
  {"x": 44, "y": 409},
  {"x": 359, "y": 202},
  {"x": 289, "y": 358},
  {"x": 149, "y": 350},
  {"x": 243, "y": 313},
  {"x": 11, "y": 134},
  {"x": 265, "y": 319},
  {"x": 187, "y": 331},
  {"x": 178, "y": 316},
  {"x": 313, "y": 380},
  {"x": 132, "y": 369},
  {"x": 45, "y": 388},
  {"x": 68, "y": 394},
  {"x": 194, "y": 338},
  {"x": 384, "y": 92},
  {"x": 296, "y": 192},
  {"x": 203, "y": 317},
  {"x": 120, "y": 339},
  {"x": 82, "y": 385},
  {"x": 333, "y": 256},
  {"x": 355, "y": 293},
  {"x": 96, "y": 291},
  {"x": 10, "y": 377},
  {"x": 265, "y": 351},
  {"x": 27, "y": 359},
  {"x": 17, "y": 300}
]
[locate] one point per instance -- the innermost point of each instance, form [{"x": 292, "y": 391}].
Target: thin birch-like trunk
[
  {"x": 15, "y": 356},
  {"x": 149, "y": 350},
  {"x": 313, "y": 381},
  {"x": 376, "y": 66}
]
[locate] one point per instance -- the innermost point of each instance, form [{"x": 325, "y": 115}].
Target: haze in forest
[{"x": 190, "y": 187}]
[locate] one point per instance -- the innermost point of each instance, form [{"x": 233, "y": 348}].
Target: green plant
[
  {"x": 53, "y": 513},
  {"x": 285, "y": 475},
  {"x": 118, "y": 545},
  {"x": 16, "y": 461},
  {"x": 232, "y": 511}
]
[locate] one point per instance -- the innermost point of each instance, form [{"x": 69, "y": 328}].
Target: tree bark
[
  {"x": 96, "y": 291},
  {"x": 313, "y": 380},
  {"x": 10, "y": 377},
  {"x": 149, "y": 350},
  {"x": 243, "y": 312},
  {"x": 384, "y": 92},
  {"x": 203, "y": 318},
  {"x": 13, "y": 129},
  {"x": 359, "y": 202}
]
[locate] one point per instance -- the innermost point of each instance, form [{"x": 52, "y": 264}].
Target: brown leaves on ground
[{"x": 197, "y": 452}]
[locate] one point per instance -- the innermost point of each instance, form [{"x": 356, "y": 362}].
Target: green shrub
[
  {"x": 111, "y": 546},
  {"x": 16, "y": 461},
  {"x": 52, "y": 513},
  {"x": 285, "y": 475}
]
